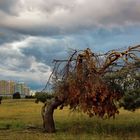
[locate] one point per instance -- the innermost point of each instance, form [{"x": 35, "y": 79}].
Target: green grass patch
[{"x": 21, "y": 120}]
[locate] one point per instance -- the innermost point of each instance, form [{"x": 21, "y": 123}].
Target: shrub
[
  {"x": 0, "y": 99},
  {"x": 43, "y": 96},
  {"x": 29, "y": 97},
  {"x": 16, "y": 95}
]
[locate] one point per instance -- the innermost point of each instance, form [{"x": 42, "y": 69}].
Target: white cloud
[
  {"x": 35, "y": 76},
  {"x": 15, "y": 65}
]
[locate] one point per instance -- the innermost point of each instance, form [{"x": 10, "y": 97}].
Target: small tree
[
  {"x": 16, "y": 95},
  {"x": 131, "y": 100},
  {"x": 43, "y": 96},
  {"x": 0, "y": 99},
  {"x": 80, "y": 83},
  {"x": 128, "y": 81}
]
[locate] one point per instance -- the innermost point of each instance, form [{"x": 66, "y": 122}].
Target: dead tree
[{"x": 78, "y": 82}]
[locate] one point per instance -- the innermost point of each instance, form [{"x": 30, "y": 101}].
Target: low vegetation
[
  {"x": 16, "y": 95},
  {"x": 43, "y": 96},
  {"x": 21, "y": 120},
  {"x": 0, "y": 99}
]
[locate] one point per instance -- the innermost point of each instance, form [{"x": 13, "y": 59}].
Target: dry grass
[{"x": 21, "y": 120}]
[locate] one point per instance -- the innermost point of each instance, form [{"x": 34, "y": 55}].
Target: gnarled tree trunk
[{"x": 48, "y": 121}]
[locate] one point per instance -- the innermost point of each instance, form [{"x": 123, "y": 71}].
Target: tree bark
[{"x": 48, "y": 121}]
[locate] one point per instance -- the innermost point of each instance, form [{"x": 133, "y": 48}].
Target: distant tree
[
  {"x": 128, "y": 81},
  {"x": 80, "y": 83},
  {"x": 43, "y": 96},
  {"x": 29, "y": 97},
  {"x": 131, "y": 100},
  {"x": 0, "y": 99},
  {"x": 16, "y": 95}
]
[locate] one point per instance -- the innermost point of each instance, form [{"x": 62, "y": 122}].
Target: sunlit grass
[{"x": 21, "y": 120}]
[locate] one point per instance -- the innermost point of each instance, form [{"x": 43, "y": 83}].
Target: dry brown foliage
[{"x": 79, "y": 81}]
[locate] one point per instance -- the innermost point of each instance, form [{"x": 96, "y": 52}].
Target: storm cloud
[
  {"x": 52, "y": 17},
  {"x": 34, "y": 32}
]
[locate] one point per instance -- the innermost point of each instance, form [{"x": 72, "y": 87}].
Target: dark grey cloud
[
  {"x": 46, "y": 49},
  {"x": 10, "y": 36},
  {"x": 126, "y": 14},
  {"x": 13, "y": 60},
  {"x": 54, "y": 17},
  {"x": 34, "y": 32},
  {"x": 8, "y": 6}
]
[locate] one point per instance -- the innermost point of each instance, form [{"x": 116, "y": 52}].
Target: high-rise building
[
  {"x": 10, "y": 87},
  {"x": 3, "y": 86},
  {"x": 7, "y": 87},
  {"x": 19, "y": 87},
  {"x": 27, "y": 91}
]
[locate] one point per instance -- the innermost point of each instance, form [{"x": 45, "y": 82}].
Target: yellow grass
[{"x": 21, "y": 120}]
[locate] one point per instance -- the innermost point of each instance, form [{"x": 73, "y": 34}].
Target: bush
[
  {"x": 131, "y": 100},
  {"x": 16, "y": 95},
  {"x": 0, "y": 99},
  {"x": 29, "y": 97},
  {"x": 43, "y": 97}
]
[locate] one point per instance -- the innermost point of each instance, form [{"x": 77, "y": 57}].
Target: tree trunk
[{"x": 48, "y": 121}]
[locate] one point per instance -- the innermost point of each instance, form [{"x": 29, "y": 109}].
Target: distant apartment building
[
  {"x": 7, "y": 87},
  {"x": 19, "y": 87},
  {"x": 27, "y": 91},
  {"x": 3, "y": 85},
  {"x": 22, "y": 88},
  {"x": 10, "y": 87}
]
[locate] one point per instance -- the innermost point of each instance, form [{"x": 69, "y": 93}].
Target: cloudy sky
[{"x": 34, "y": 32}]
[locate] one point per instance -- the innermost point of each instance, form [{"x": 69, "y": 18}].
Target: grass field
[{"x": 21, "y": 120}]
